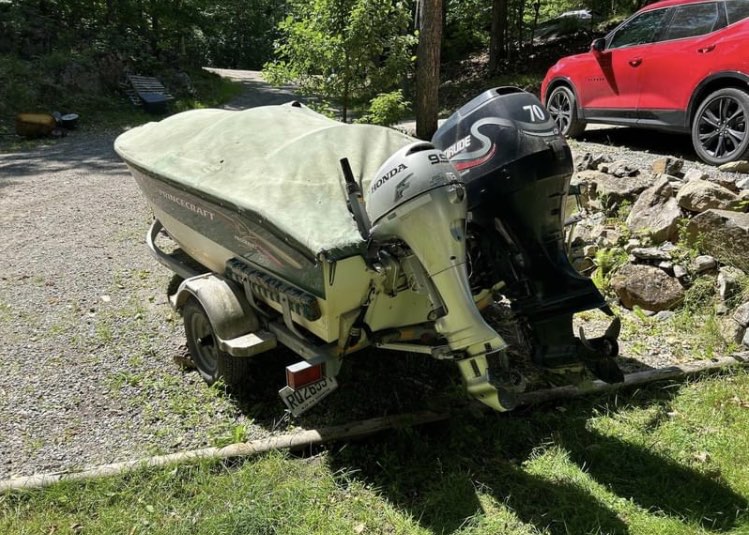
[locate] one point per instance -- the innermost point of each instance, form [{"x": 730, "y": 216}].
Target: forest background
[{"x": 359, "y": 57}]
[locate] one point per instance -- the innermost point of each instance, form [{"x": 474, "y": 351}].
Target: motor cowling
[
  {"x": 503, "y": 131},
  {"x": 517, "y": 170}
]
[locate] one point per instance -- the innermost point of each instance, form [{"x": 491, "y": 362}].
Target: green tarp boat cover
[{"x": 281, "y": 162}]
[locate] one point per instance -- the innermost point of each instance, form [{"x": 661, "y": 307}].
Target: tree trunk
[
  {"x": 109, "y": 13},
  {"x": 428, "y": 68},
  {"x": 536, "y": 8},
  {"x": 498, "y": 43},
  {"x": 344, "y": 112},
  {"x": 346, "y": 86},
  {"x": 519, "y": 22}
]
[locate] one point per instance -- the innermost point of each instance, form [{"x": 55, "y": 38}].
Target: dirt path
[
  {"x": 256, "y": 91},
  {"x": 87, "y": 337}
]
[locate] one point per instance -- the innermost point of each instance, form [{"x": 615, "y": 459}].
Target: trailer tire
[{"x": 212, "y": 363}]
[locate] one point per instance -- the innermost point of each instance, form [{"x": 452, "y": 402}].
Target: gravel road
[
  {"x": 88, "y": 340},
  {"x": 87, "y": 335}
]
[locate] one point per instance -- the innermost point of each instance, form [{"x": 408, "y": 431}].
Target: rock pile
[{"x": 653, "y": 233}]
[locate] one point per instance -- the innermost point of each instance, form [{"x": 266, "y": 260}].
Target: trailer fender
[{"x": 234, "y": 323}]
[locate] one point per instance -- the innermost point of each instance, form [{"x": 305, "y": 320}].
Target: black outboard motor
[{"x": 517, "y": 169}]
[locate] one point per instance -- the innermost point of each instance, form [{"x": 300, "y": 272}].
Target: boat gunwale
[{"x": 329, "y": 255}]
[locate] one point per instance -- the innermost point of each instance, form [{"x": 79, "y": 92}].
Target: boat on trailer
[{"x": 329, "y": 237}]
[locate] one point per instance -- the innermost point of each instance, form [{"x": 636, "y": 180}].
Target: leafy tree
[
  {"x": 466, "y": 27},
  {"x": 346, "y": 50},
  {"x": 240, "y": 33},
  {"x": 513, "y": 21}
]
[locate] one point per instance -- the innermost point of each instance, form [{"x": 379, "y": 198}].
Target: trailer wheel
[{"x": 212, "y": 363}]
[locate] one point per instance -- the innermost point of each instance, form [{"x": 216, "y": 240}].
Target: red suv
[{"x": 676, "y": 65}]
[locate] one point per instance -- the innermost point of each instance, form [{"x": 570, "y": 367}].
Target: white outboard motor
[{"x": 417, "y": 197}]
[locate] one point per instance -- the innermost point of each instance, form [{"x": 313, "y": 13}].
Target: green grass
[
  {"x": 210, "y": 91},
  {"x": 670, "y": 459},
  {"x": 528, "y": 81},
  {"x": 117, "y": 113},
  {"x": 107, "y": 111},
  {"x": 6, "y": 312}
]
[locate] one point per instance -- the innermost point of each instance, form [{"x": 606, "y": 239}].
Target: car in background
[
  {"x": 675, "y": 65},
  {"x": 564, "y": 24}
]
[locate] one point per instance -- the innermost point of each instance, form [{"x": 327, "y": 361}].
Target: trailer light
[{"x": 302, "y": 374}]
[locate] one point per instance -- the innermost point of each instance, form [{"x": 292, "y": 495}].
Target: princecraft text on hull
[{"x": 329, "y": 237}]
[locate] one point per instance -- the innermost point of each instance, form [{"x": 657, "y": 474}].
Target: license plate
[{"x": 301, "y": 399}]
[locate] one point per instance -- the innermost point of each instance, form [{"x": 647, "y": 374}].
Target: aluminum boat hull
[{"x": 213, "y": 232}]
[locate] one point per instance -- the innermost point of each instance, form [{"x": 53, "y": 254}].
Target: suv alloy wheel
[
  {"x": 719, "y": 128},
  {"x": 563, "y": 109}
]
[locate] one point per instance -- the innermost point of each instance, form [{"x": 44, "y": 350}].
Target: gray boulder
[
  {"x": 664, "y": 315},
  {"x": 619, "y": 169},
  {"x": 722, "y": 234},
  {"x": 741, "y": 315},
  {"x": 656, "y": 212},
  {"x": 731, "y": 331},
  {"x": 650, "y": 253},
  {"x": 726, "y": 181},
  {"x": 695, "y": 174},
  {"x": 667, "y": 165},
  {"x": 729, "y": 282},
  {"x": 590, "y": 250},
  {"x": 601, "y": 191},
  {"x": 680, "y": 272},
  {"x": 666, "y": 266},
  {"x": 704, "y": 263},
  {"x": 610, "y": 236},
  {"x": 632, "y": 243},
  {"x": 590, "y": 228},
  {"x": 739, "y": 166},
  {"x": 592, "y": 161},
  {"x": 676, "y": 182},
  {"x": 700, "y": 195},
  {"x": 648, "y": 287}
]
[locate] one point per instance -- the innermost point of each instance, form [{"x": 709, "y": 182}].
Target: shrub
[{"x": 386, "y": 109}]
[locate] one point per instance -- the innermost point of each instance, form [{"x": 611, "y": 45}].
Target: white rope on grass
[
  {"x": 362, "y": 428},
  {"x": 293, "y": 440}
]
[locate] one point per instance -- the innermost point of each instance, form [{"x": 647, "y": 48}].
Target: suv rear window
[{"x": 737, "y": 10}]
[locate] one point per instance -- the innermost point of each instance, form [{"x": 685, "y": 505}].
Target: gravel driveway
[
  {"x": 88, "y": 340},
  {"x": 87, "y": 336}
]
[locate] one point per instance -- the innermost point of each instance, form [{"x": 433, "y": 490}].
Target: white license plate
[{"x": 301, "y": 399}]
